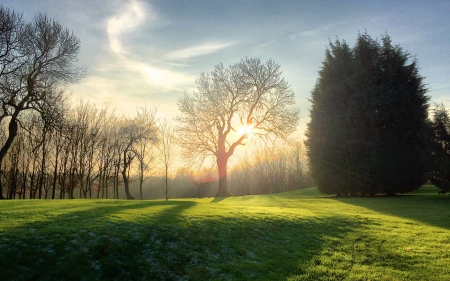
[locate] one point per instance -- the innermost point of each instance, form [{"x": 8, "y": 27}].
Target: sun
[{"x": 246, "y": 129}]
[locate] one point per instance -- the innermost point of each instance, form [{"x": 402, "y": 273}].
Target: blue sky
[{"x": 149, "y": 52}]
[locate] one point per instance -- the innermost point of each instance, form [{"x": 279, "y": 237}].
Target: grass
[{"x": 291, "y": 236}]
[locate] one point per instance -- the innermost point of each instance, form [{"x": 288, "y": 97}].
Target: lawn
[{"x": 290, "y": 236}]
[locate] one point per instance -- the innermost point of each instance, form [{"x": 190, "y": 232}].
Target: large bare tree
[{"x": 249, "y": 97}]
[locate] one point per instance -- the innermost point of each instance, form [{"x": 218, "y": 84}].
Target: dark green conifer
[{"x": 369, "y": 121}]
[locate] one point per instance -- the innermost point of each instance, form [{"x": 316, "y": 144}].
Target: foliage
[
  {"x": 440, "y": 172},
  {"x": 289, "y": 236},
  {"x": 368, "y": 132}
]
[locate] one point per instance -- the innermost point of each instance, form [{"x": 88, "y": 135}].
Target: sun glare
[{"x": 247, "y": 130}]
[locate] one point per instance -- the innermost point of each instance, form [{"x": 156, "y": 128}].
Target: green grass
[{"x": 291, "y": 236}]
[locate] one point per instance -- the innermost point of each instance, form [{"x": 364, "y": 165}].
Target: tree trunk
[
  {"x": 106, "y": 187},
  {"x": 12, "y": 132},
  {"x": 167, "y": 183},
  {"x": 126, "y": 184},
  {"x": 55, "y": 173},
  {"x": 222, "y": 161},
  {"x": 33, "y": 172},
  {"x": 116, "y": 186},
  {"x": 72, "y": 183},
  {"x": 41, "y": 178},
  {"x": 141, "y": 181},
  {"x": 100, "y": 183},
  {"x": 24, "y": 183}
]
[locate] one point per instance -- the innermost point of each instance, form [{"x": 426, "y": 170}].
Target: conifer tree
[{"x": 369, "y": 126}]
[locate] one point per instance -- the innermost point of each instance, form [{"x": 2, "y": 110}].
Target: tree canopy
[
  {"x": 369, "y": 121},
  {"x": 250, "y": 95}
]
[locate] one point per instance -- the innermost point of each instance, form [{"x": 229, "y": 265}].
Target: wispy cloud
[
  {"x": 197, "y": 50},
  {"x": 161, "y": 78},
  {"x": 127, "y": 20}
]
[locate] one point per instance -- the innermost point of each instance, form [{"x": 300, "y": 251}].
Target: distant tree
[
  {"x": 145, "y": 155},
  {"x": 440, "y": 172},
  {"x": 144, "y": 150},
  {"x": 369, "y": 122},
  {"x": 132, "y": 132},
  {"x": 251, "y": 95},
  {"x": 202, "y": 178},
  {"x": 105, "y": 153},
  {"x": 274, "y": 167},
  {"x": 166, "y": 137}
]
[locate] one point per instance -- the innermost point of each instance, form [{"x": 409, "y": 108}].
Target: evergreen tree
[
  {"x": 328, "y": 128},
  {"x": 369, "y": 123},
  {"x": 440, "y": 174}
]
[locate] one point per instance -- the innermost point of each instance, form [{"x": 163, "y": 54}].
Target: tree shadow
[
  {"x": 157, "y": 240},
  {"x": 218, "y": 199},
  {"x": 160, "y": 242},
  {"x": 431, "y": 210},
  {"x": 361, "y": 255},
  {"x": 71, "y": 245}
]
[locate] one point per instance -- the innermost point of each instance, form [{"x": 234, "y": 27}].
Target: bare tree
[
  {"x": 105, "y": 152},
  {"x": 11, "y": 37},
  {"x": 144, "y": 150},
  {"x": 249, "y": 94},
  {"x": 43, "y": 62},
  {"x": 131, "y": 133},
  {"x": 166, "y": 143}
]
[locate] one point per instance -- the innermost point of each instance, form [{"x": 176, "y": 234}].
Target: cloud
[
  {"x": 127, "y": 20},
  {"x": 197, "y": 50},
  {"x": 161, "y": 78}
]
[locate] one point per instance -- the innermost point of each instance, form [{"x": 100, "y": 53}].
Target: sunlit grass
[{"x": 291, "y": 236}]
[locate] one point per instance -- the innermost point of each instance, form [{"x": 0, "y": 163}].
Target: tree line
[
  {"x": 92, "y": 153},
  {"x": 89, "y": 151}
]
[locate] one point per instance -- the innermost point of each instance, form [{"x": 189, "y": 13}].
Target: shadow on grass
[
  {"x": 431, "y": 210},
  {"x": 158, "y": 241},
  {"x": 218, "y": 199},
  {"x": 362, "y": 255},
  {"x": 77, "y": 245}
]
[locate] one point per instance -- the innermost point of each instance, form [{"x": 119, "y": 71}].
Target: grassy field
[{"x": 291, "y": 236}]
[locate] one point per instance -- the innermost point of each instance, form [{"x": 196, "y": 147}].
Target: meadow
[{"x": 297, "y": 235}]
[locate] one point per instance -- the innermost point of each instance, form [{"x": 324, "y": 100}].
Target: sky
[{"x": 144, "y": 52}]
